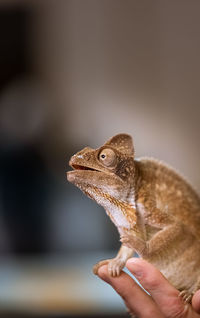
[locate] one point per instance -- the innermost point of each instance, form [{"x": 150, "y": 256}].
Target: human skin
[{"x": 164, "y": 301}]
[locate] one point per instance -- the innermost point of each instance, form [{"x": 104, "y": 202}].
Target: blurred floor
[{"x": 52, "y": 285}]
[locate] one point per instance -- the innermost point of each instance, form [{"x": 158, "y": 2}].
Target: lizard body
[{"x": 156, "y": 211}]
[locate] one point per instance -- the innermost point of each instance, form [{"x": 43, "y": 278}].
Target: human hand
[{"x": 164, "y": 301}]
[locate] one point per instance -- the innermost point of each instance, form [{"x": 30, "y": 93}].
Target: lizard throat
[{"x": 121, "y": 213}]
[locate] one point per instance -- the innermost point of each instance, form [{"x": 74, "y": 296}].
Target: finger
[
  {"x": 132, "y": 294},
  {"x": 196, "y": 301},
  {"x": 163, "y": 293}
]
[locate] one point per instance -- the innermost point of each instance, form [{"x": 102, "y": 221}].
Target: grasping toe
[
  {"x": 115, "y": 266},
  {"x": 186, "y": 296}
]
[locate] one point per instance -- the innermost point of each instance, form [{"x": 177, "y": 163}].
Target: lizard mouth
[
  {"x": 74, "y": 176},
  {"x": 79, "y": 167}
]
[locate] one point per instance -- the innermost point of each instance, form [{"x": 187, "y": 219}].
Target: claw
[
  {"x": 131, "y": 313},
  {"x": 186, "y": 296},
  {"x": 115, "y": 266}
]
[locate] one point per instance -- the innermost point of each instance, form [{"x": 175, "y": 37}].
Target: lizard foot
[
  {"x": 132, "y": 315},
  {"x": 186, "y": 296},
  {"x": 115, "y": 266}
]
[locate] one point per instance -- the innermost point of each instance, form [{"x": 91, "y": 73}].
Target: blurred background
[{"x": 74, "y": 73}]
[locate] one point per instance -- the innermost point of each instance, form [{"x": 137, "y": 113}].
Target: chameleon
[{"x": 156, "y": 211}]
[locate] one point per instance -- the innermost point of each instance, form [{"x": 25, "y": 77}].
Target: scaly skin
[{"x": 156, "y": 211}]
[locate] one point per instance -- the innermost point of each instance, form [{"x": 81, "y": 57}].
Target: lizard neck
[
  {"x": 134, "y": 186},
  {"x": 123, "y": 213},
  {"x": 137, "y": 179}
]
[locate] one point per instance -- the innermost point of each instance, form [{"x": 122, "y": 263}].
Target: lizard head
[{"x": 105, "y": 172}]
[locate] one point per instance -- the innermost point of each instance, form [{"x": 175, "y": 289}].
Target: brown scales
[{"x": 156, "y": 211}]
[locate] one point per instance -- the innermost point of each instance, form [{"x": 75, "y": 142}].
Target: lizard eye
[{"x": 107, "y": 157}]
